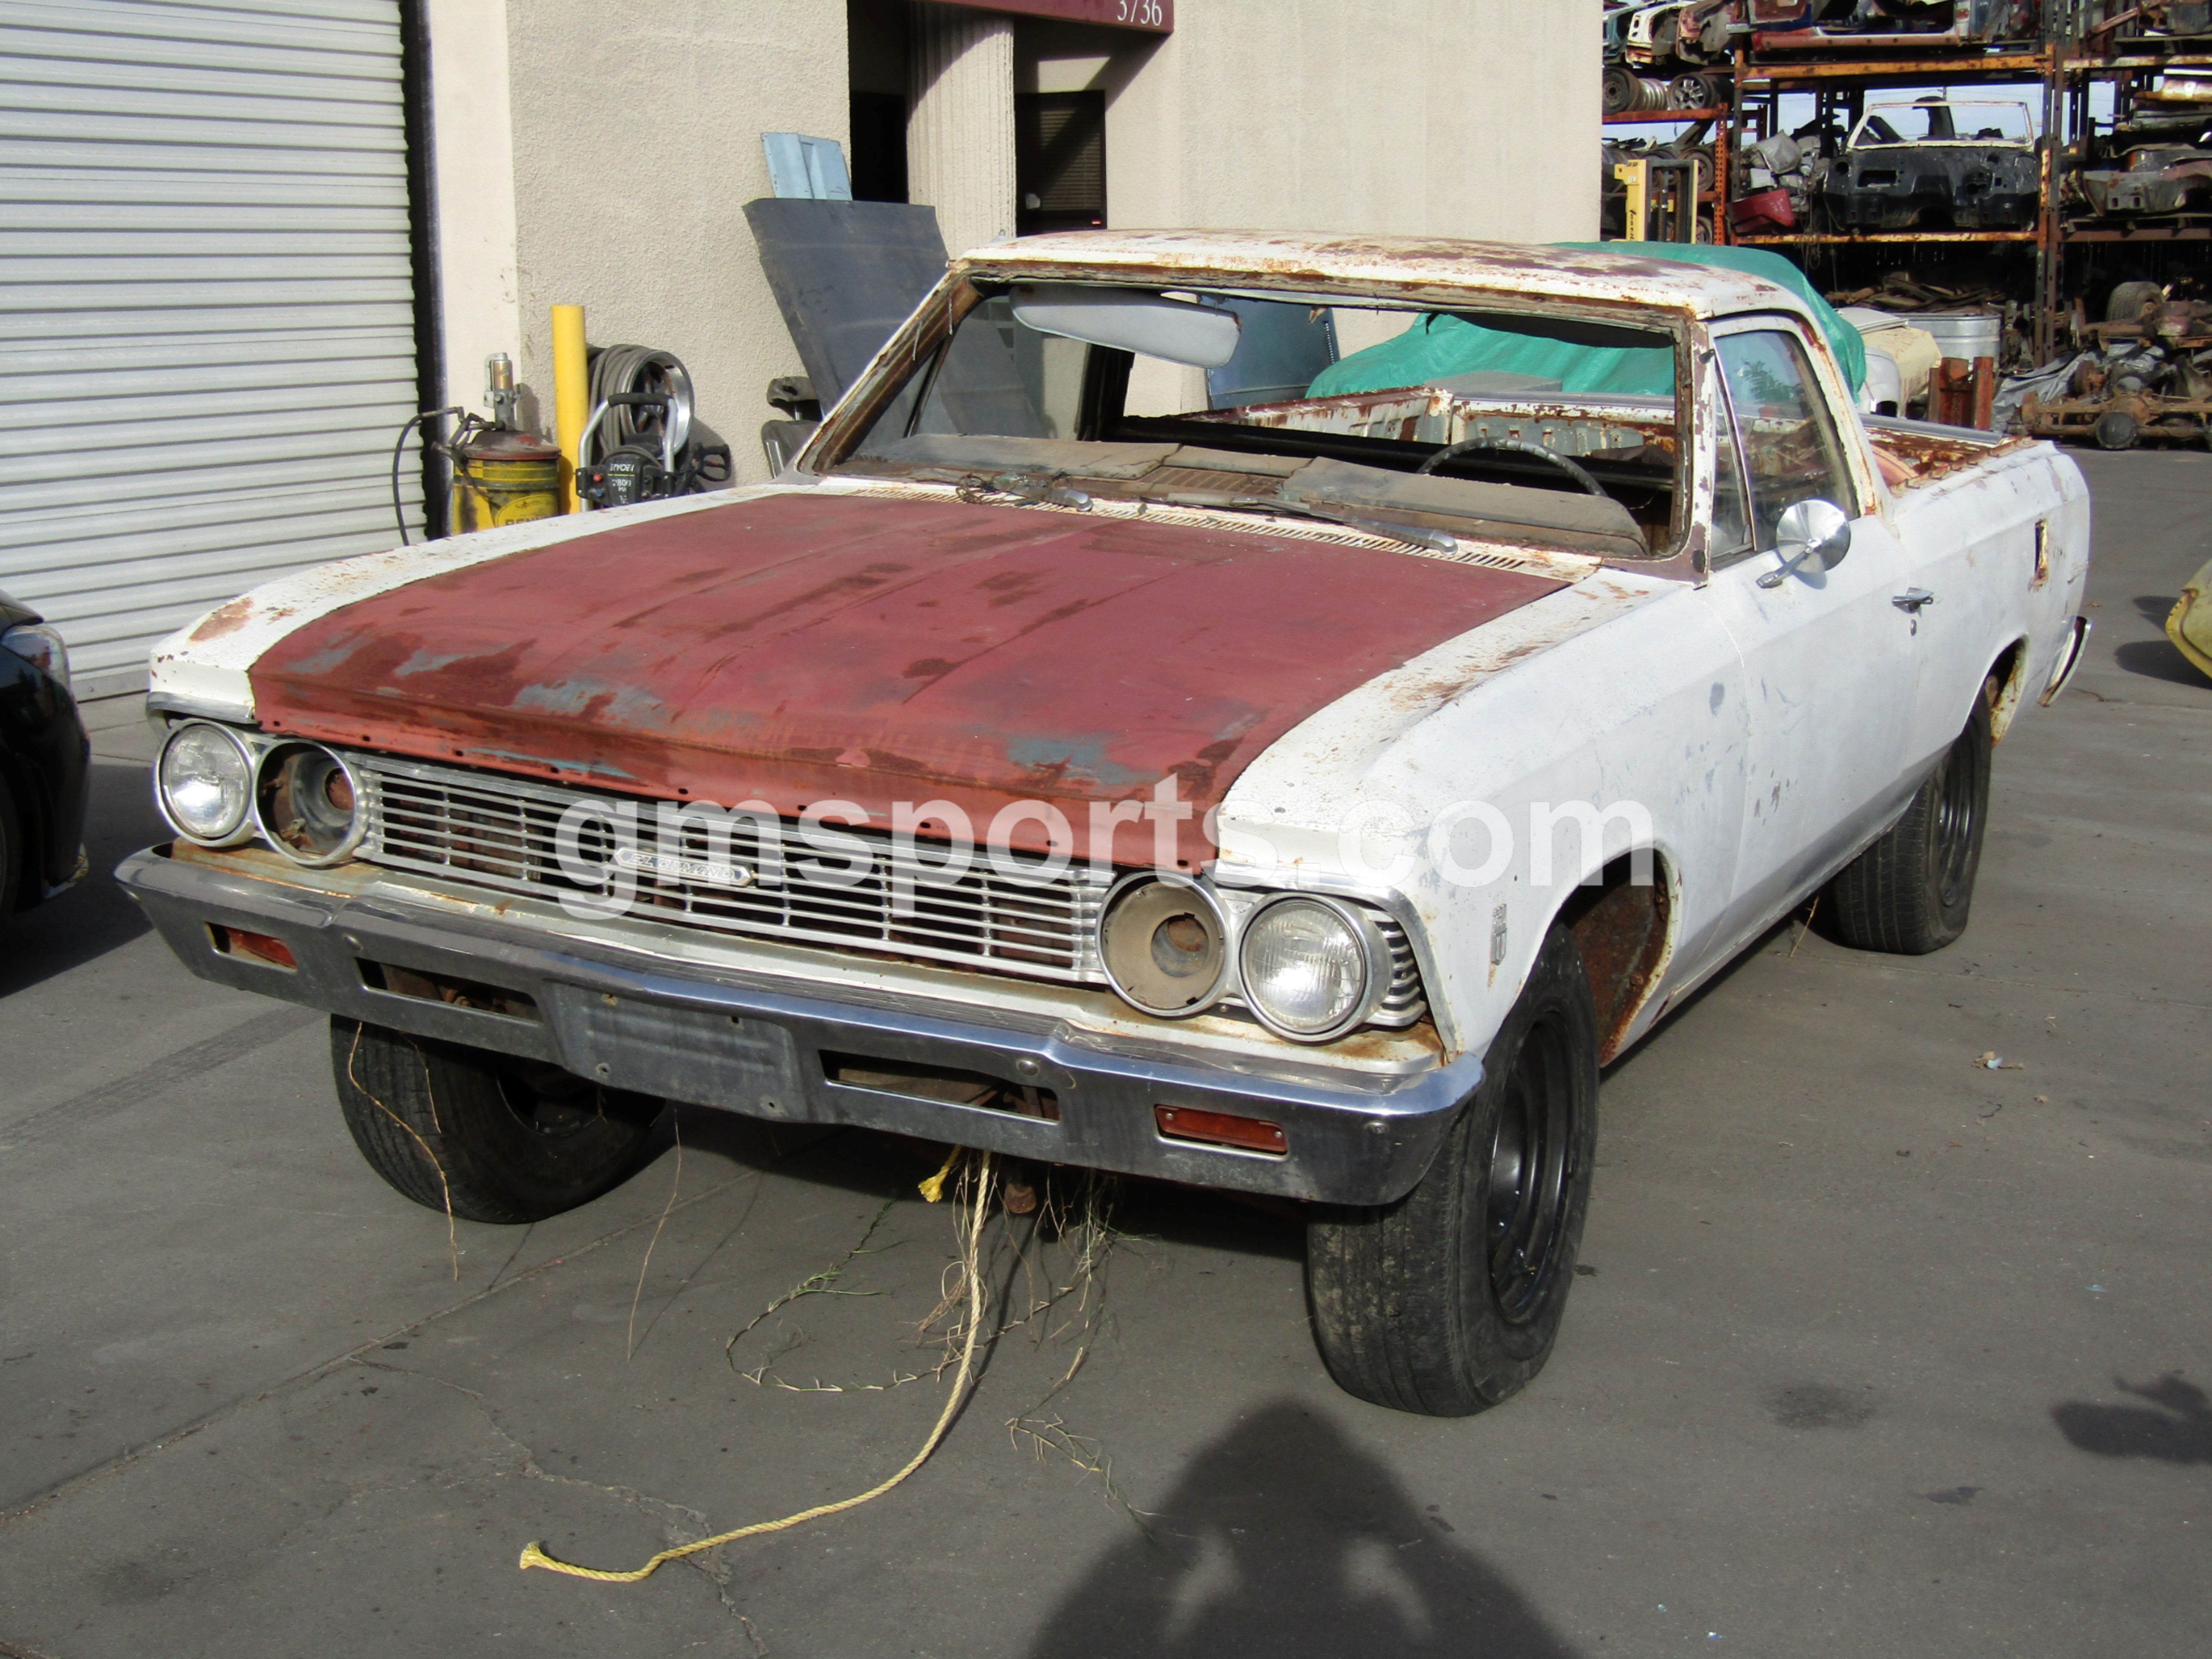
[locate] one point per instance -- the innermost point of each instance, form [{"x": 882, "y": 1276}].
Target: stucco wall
[
  {"x": 1444, "y": 117},
  {"x": 636, "y": 145},
  {"x": 631, "y": 137},
  {"x": 473, "y": 148},
  {"x": 1448, "y": 118}
]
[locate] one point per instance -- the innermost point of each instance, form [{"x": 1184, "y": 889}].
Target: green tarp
[{"x": 1439, "y": 344}]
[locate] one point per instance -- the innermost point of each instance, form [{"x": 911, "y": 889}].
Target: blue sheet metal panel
[
  {"x": 1283, "y": 348},
  {"x": 810, "y": 169}
]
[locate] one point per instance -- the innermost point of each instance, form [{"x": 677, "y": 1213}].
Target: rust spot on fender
[
  {"x": 1621, "y": 931},
  {"x": 226, "y": 619}
]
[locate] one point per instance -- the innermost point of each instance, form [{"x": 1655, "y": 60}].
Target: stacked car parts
[{"x": 2145, "y": 374}]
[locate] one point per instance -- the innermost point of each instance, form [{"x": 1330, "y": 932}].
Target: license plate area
[{"x": 698, "y": 1055}]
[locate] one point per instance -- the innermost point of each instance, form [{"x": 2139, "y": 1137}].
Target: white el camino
[{"x": 1274, "y": 713}]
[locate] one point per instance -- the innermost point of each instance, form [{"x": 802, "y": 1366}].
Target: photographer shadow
[
  {"x": 1283, "y": 1538},
  {"x": 2176, "y": 1427}
]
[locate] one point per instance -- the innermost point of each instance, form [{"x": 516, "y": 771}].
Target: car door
[{"x": 1829, "y": 669}]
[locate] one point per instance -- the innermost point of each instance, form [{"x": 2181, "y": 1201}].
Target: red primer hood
[{"x": 810, "y": 647}]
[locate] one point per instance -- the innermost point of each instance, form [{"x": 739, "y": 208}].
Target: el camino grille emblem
[{"x": 681, "y": 869}]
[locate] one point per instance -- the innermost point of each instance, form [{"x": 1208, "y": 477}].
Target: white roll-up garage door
[{"x": 206, "y": 316}]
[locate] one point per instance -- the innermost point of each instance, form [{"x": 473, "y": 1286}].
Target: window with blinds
[{"x": 1060, "y": 160}]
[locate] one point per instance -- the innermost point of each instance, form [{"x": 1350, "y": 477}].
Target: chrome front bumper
[{"x": 769, "y": 1046}]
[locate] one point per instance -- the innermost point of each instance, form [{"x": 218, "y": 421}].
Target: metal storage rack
[{"x": 2075, "y": 51}]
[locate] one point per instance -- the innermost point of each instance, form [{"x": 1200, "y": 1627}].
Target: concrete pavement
[{"x": 1878, "y": 1352}]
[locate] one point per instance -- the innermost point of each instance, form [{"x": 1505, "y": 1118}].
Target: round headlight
[
  {"x": 1310, "y": 966},
  {"x": 1164, "y": 946},
  {"x": 205, "y": 783},
  {"x": 307, "y": 803}
]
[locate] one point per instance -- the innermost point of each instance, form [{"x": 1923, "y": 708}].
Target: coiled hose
[{"x": 636, "y": 368}]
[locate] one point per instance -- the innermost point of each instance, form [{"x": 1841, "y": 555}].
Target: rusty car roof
[{"x": 1419, "y": 265}]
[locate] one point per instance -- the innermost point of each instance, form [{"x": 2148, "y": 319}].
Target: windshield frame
[
  {"x": 1858, "y": 139},
  {"x": 967, "y": 285}
]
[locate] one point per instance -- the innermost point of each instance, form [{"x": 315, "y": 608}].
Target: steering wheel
[{"x": 1574, "y": 469}]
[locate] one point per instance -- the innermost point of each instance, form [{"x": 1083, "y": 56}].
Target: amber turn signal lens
[{"x": 1251, "y": 1135}]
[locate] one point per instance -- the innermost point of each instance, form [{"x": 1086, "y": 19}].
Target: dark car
[
  {"x": 45, "y": 761},
  {"x": 1938, "y": 164}
]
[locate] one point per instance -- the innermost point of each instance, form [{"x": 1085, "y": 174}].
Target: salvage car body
[
  {"x": 2157, "y": 178},
  {"x": 1934, "y": 164},
  {"x": 1345, "y": 681},
  {"x": 1911, "y": 25}
]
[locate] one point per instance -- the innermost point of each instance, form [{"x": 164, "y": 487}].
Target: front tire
[
  {"x": 1911, "y": 892},
  {"x": 493, "y": 1138},
  {"x": 1447, "y": 1302}
]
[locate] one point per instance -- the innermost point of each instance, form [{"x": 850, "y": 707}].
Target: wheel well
[
  {"x": 1621, "y": 926},
  {"x": 2007, "y": 674}
]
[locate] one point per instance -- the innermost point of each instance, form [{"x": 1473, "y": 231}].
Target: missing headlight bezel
[
  {"x": 344, "y": 847},
  {"x": 1194, "y": 899}
]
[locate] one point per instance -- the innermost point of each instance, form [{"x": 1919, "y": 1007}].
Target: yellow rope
[{"x": 535, "y": 1556}]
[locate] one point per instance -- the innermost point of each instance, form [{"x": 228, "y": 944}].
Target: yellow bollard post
[{"x": 570, "y": 390}]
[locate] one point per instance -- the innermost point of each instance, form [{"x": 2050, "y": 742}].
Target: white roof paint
[{"x": 1503, "y": 270}]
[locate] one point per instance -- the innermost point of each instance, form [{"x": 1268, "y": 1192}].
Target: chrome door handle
[{"x": 1911, "y": 601}]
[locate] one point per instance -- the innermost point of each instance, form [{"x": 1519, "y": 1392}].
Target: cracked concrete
[{"x": 1879, "y": 1352}]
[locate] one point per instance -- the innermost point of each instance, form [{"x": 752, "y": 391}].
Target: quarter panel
[{"x": 1971, "y": 539}]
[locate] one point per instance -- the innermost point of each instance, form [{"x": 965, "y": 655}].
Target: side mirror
[{"x": 1810, "y": 533}]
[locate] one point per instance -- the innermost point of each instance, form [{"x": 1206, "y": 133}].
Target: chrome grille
[
  {"x": 1403, "y": 1003},
  {"x": 487, "y": 830},
  {"x": 484, "y": 829}
]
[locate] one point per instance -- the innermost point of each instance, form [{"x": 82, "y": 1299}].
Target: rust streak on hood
[{"x": 810, "y": 647}]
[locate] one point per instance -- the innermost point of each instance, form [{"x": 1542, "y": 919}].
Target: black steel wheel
[
  {"x": 1530, "y": 1174},
  {"x": 1447, "y": 1301},
  {"x": 1912, "y": 891},
  {"x": 497, "y": 1138}
]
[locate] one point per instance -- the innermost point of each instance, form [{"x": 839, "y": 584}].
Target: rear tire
[
  {"x": 496, "y": 1138},
  {"x": 1911, "y": 892},
  {"x": 1447, "y": 1302}
]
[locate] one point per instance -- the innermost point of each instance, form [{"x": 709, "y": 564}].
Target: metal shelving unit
[
  {"x": 2058, "y": 71},
  {"x": 1840, "y": 87},
  {"x": 1718, "y": 118}
]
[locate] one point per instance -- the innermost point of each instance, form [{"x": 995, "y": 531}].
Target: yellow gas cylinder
[{"x": 503, "y": 477}]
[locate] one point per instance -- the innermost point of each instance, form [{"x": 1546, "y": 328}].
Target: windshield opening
[
  {"x": 1946, "y": 121},
  {"x": 1541, "y": 428}
]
